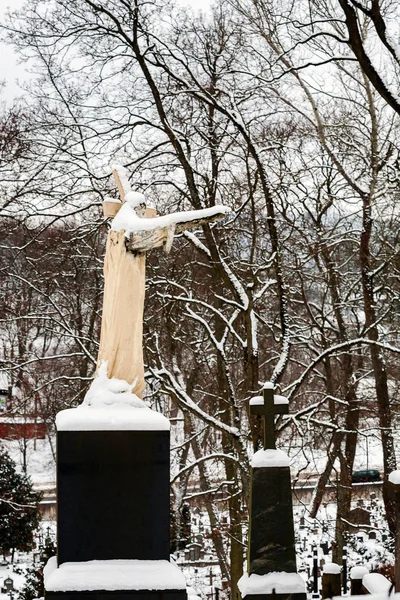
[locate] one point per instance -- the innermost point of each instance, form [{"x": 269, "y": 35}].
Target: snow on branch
[
  {"x": 172, "y": 385},
  {"x": 202, "y": 459},
  {"x": 16, "y": 505},
  {"x": 294, "y": 386}
]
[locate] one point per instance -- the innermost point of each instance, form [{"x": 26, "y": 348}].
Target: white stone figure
[{"x": 135, "y": 230}]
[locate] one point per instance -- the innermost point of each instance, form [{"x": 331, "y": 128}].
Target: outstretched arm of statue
[{"x": 142, "y": 234}]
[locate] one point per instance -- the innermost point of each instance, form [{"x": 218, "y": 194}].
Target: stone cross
[
  {"x": 268, "y": 405},
  {"x": 135, "y": 230}
]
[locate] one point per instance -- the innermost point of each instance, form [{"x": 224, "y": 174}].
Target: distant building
[{"x": 16, "y": 426}]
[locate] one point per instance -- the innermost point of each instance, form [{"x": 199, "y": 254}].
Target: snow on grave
[
  {"x": 376, "y": 583},
  {"x": 270, "y": 583}
]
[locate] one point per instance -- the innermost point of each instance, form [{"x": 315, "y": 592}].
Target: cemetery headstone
[
  {"x": 271, "y": 565},
  {"x": 325, "y": 547},
  {"x": 356, "y": 577},
  {"x": 358, "y": 516},
  {"x": 331, "y": 584},
  {"x": 113, "y": 451},
  {"x": 8, "y": 585}
]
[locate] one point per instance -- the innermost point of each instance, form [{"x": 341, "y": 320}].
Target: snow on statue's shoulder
[
  {"x": 110, "y": 405},
  {"x": 279, "y": 583},
  {"x": 270, "y": 458}
]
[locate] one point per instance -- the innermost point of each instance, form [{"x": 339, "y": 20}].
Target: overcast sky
[{"x": 11, "y": 71}]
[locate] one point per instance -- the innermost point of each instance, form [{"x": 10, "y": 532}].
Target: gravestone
[
  {"x": 271, "y": 547},
  {"x": 331, "y": 584}
]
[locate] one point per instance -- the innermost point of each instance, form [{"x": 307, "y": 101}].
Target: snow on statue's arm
[{"x": 143, "y": 234}]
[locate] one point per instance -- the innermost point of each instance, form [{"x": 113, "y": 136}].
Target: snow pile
[
  {"x": 116, "y": 418},
  {"x": 107, "y": 392},
  {"x": 394, "y": 477},
  {"x": 268, "y": 385},
  {"x": 376, "y": 583},
  {"x": 110, "y": 405},
  {"x": 111, "y": 575},
  {"x": 270, "y": 458},
  {"x": 123, "y": 177},
  {"x": 358, "y": 572},
  {"x": 282, "y": 583},
  {"x": 331, "y": 569},
  {"x": 128, "y": 220}
]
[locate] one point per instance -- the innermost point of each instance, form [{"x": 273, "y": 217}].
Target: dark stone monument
[
  {"x": 356, "y": 577},
  {"x": 271, "y": 548},
  {"x": 358, "y": 516},
  {"x": 113, "y": 507},
  {"x": 331, "y": 584}
]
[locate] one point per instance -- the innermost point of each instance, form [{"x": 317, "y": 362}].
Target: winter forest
[{"x": 288, "y": 113}]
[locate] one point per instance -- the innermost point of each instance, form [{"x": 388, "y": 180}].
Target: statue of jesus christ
[{"x": 133, "y": 232}]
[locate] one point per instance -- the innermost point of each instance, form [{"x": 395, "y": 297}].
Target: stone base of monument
[
  {"x": 114, "y": 580},
  {"x": 272, "y": 573},
  {"x": 271, "y": 534},
  {"x": 272, "y": 586},
  {"x": 112, "y": 485},
  {"x": 113, "y": 507}
]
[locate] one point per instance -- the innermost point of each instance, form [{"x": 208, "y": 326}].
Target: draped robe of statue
[
  {"x": 121, "y": 338},
  {"x": 121, "y": 329}
]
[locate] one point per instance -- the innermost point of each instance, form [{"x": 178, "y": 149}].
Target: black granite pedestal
[
  {"x": 271, "y": 535},
  {"x": 113, "y": 495},
  {"x": 113, "y": 508},
  {"x": 271, "y": 550}
]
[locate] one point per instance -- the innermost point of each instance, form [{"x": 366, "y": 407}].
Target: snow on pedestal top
[
  {"x": 116, "y": 417},
  {"x": 331, "y": 569},
  {"x": 110, "y": 405},
  {"x": 111, "y": 575},
  {"x": 270, "y": 458},
  {"x": 282, "y": 583},
  {"x": 358, "y": 572}
]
